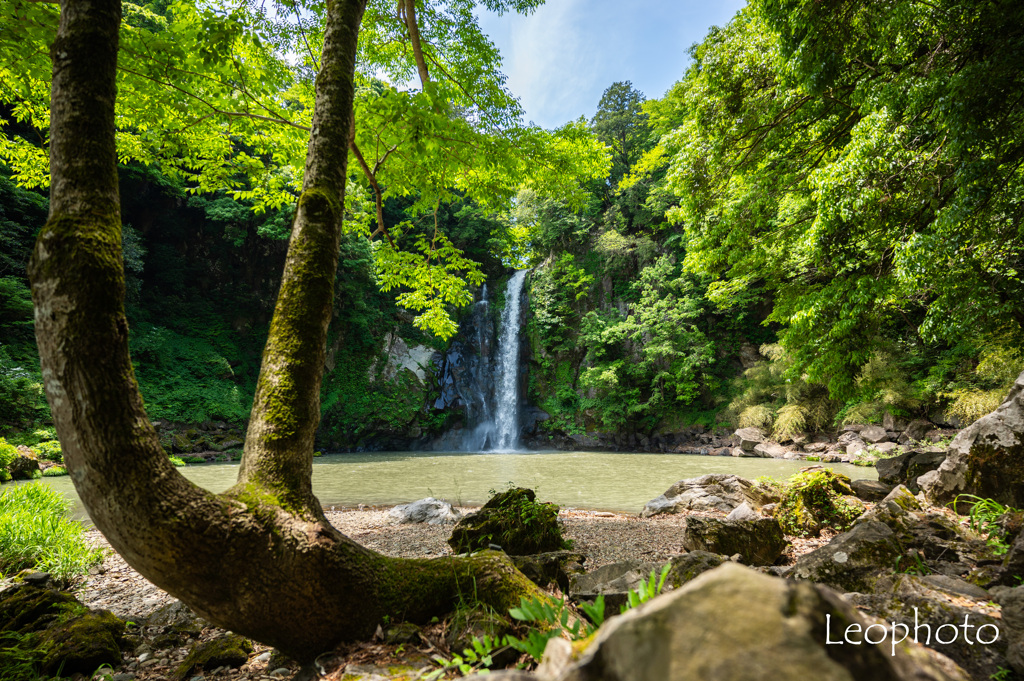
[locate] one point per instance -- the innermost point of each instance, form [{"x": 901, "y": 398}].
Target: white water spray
[{"x": 506, "y": 388}]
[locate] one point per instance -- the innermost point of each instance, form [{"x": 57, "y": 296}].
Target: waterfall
[{"x": 506, "y": 388}]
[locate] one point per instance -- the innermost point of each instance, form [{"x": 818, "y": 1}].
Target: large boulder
[
  {"x": 555, "y": 567},
  {"x": 852, "y": 561},
  {"x": 734, "y": 624},
  {"x": 430, "y": 511},
  {"x": 937, "y": 605},
  {"x": 759, "y": 542},
  {"x": 986, "y": 459},
  {"x": 749, "y": 438},
  {"x": 893, "y": 471},
  {"x": 874, "y": 434},
  {"x": 711, "y": 492},
  {"x": 512, "y": 520}
]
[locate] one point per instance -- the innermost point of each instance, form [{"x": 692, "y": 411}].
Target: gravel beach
[{"x": 603, "y": 537}]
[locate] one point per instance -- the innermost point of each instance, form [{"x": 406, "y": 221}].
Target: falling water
[{"x": 506, "y": 388}]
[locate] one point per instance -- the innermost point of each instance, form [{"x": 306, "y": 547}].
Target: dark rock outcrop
[
  {"x": 986, "y": 459},
  {"x": 758, "y": 542}
]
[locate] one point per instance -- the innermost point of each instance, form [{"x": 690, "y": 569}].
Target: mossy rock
[
  {"x": 29, "y": 608},
  {"x": 513, "y": 520},
  {"x": 82, "y": 644},
  {"x": 228, "y": 651},
  {"x": 817, "y": 499},
  {"x": 25, "y": 467}
]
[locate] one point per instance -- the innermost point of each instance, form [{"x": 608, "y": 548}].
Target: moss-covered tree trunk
[{"x": 260, "y": 559}]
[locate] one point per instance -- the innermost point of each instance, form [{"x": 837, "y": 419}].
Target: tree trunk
[{"x": 260, "y": 559}]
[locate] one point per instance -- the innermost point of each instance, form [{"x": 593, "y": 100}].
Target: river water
[{"x": 612, "y": 481}]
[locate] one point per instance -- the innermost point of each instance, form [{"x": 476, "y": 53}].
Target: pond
[{"x": 611, "y": 481}]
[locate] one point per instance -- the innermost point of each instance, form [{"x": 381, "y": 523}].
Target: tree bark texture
[{"x": 259, "y": 559}]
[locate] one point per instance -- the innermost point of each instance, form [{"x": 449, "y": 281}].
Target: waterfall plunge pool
[{"x": 608, "y": 481}]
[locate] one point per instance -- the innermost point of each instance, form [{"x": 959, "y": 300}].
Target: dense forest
[{"x": 819, "y": 224}]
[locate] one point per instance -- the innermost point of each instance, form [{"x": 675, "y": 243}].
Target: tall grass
[{"x": 37, "y": 532}]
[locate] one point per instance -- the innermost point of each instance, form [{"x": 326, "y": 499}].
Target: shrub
[
  {"x": 36, "y": 532},
  {"x": 49, "y": 450},
  {"x": 813, "y": 500},
  {"x": 8, "y": 453},
  {"x": 191, "y": 459},
  {"x": 54, "y": 472},
  {"x": 177, "y": 461}
]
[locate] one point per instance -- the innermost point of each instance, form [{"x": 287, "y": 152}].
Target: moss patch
[
  {"x": 513, "y": 520},
  {"x": 814, "y": 500}
]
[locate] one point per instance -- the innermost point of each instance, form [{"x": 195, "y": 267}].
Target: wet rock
[
  {"x": 733, "y": 623},
  {"x": 429, "y": 510},
  {"x": 227, "y": 651},
  {"x": 986, "y": 459},
  {"x": 711, "y": 492},
  {"x": 759, "y": 542},
  {"x": 870, "y": 490}
]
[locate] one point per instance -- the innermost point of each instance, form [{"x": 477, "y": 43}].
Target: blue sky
[{"x": 560, "y": 59}]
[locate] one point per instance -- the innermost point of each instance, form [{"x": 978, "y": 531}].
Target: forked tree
[{"x": 260, "y": 559}]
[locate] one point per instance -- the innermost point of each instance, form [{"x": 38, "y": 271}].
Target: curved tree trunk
[{"x": 260, "y": 559}]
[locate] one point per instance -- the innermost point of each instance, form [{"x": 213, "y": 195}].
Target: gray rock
[
  {"x": 890, "y": 422},
  {"x": 429, "y": 510},
  {"x": 916, "y": 430},
  {"x": 921, "y": 464},
  {"x": 856, "y": 447},
  {"x": 553, "y": 567},
  {"x": 893, "y": 470},
  {"x": 874, "y": 434},
  {"x": 759, "y": 542},
  {"x": 870, "y": 490},
  {"x": 884, "y": 448},
  {"x": 815, "y": 447},
  {"x": 985, "y": 458},
  {"x": 749, "y": 438},
  {"x": 711, "y": 492},
  {"x": 770, "y": 450},
  {"x": 743, "y": 512},
  {"x": 615, "y": 581},
  {"x": 852, "y": 561},
  {"x": 1012, "y": 602},
  {"x": 928, "y": 603},
  {"x": 737, "y": 625}
]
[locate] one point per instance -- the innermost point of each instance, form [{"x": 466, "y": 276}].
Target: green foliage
[
  {"x": 817, "y": 152},
  {"x": 985, "y": 518},
  {"x": 813, "y": 500},
  {"x": 8, "y": 453},
  {"x": 548, "y": 619},
  {"x": 54, "y": 472},
  {"x": 478, "y": 656},
  {"x": 36, "y": 532},
  {"x": 647, "y": 588},
  {"x": 177, "y": 461},
  {"x": 49, "y": 450}
]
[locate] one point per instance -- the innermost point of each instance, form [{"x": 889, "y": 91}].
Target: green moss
[
  {"x": 814, "y": 500},
  {"x": 82, "y": 644},
  {"x": 513, "y": 520}
]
